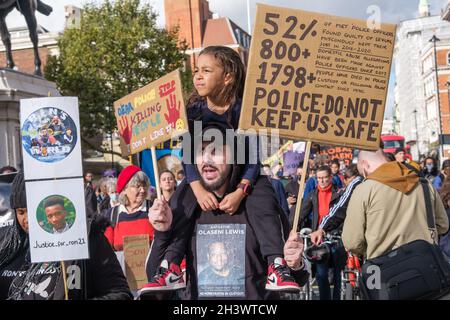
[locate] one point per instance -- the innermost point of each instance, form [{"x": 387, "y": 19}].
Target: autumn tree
[{"x": 117, "y": 49}]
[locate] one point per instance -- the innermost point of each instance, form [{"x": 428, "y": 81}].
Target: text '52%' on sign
[
  {"x": 317, "y": 77},
  {"x": 152, "y": 114}
]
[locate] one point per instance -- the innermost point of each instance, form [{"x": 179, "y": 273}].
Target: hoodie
[
  {"x": 387, "y": 211},
  {"x": 396, "y": 176}
]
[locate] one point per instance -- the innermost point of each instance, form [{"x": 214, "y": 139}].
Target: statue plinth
[{"x": 15, "y": 85}]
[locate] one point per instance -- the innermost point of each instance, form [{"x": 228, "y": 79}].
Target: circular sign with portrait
[
  {"x": 49, "y": 135},
  {"x": 56, "y": 214}
]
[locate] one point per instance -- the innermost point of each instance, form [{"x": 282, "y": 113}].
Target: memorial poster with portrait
[
  {"x": 50, "y": 134},
  {"x": 57, "y": 220},
  {"x": 221, "y": 260}
]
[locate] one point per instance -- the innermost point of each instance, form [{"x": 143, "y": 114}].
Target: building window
[{"x": 448, "y": 58}]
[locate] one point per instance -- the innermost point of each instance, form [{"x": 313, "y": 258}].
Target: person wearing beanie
[
  {"x": 130, "y": 217},
  {"x": 100, "y": 276},
  {"x": 400, "y": 156}
]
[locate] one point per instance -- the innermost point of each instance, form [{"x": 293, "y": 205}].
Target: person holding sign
[
  {"x": 131, "y": 216},
  {"x": 99, "y": 277},
  {"x": 240, "y": 231},
  {"x": 219, "y": 80}
]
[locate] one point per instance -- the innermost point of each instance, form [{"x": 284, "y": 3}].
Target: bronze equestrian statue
[{"x": 28, "y": 9}]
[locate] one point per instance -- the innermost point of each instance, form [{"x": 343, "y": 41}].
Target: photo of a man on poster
[
  {"x": 219, "y": 270},
  {"x": 221, "y": 260},
  {"x": 56, "y": 214}
]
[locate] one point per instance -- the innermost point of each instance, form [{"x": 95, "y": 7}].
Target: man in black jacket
[
  {"x": 313, "y": 210},
  {"x": 99, "y": 277},
  {"x": 240, "y": 231}
]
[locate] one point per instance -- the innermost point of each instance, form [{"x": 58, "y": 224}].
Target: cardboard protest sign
[
  {"x": 50, "y": 133},
  {"x": 152, "y": 114},
  {"x": 57, "y": 220},
  {"x": 340, "y": 153},
  {"x": 291, "y": 160},
  {"x": 135, "y": 250},
  {"x": 317, "y": 77},
  {"x": 277, "y": 157}
]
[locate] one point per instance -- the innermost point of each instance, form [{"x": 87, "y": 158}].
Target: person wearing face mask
[
  {"x": 430, "y": 171},
  {"x": 111, "y": 198},
  {"x": 168, "y": 184}
]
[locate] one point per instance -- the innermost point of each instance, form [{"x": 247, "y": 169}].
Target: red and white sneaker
[
  {"x": 167, "y": 278},
  {"x": 279, "y": 277}
]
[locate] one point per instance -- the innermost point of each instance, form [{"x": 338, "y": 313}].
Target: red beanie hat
[{"x": 126, "y": 176}]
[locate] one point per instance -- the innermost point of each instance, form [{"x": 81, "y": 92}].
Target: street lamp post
[{"x": 434, "y": 39}]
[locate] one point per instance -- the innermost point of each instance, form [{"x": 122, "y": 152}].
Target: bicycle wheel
[{"x": 349, "y": 293}]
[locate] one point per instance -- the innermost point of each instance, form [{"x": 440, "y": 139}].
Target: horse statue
[{"x": 28, "y": 9}]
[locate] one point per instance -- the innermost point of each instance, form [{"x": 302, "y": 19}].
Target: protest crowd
[
  {"x": 307, "y": 225},
  {"x": 355, "y": 202}
]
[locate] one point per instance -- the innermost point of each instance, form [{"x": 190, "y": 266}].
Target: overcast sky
[{"x": 392, "y": 11}]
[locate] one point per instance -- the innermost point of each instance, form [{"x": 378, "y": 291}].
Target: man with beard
[{"x": 241, "y": 230}]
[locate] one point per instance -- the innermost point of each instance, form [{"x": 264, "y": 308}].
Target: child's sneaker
[
  {"x": 167, "y": 278},
  {"x": 279, "y": 277}
]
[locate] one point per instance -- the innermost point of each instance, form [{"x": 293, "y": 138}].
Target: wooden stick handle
[
  {"x": 156, "y": 172},
  {"x": 66, "y": 290},
  {"x": 302, "y": 186}
]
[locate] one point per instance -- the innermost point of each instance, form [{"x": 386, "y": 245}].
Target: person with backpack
[{"x": 395, "y": 213}]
